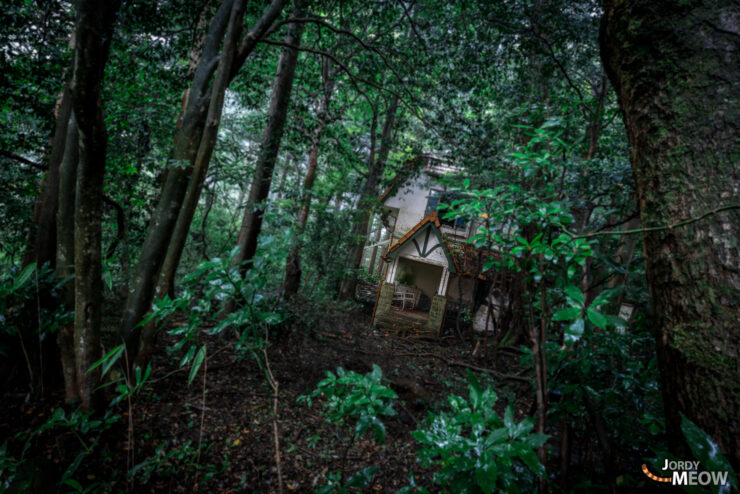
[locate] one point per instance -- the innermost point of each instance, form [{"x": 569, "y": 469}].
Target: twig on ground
[
  {"x": 275, "y": 431},
  {"x": 457, "y": 363},
  {"x": 202, "y": 421}
]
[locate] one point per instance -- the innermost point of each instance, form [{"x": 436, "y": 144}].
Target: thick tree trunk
[
  {"x": 676, "y": 71},
  {"x": 93, "y": 32},
  {"x": 368, "y": 194},
  {"x": 277, "y": 114},
  {"x": 293, "y": 271},
  {"x": 66, "y": 257},
  {"x": 187, "y": 142}
]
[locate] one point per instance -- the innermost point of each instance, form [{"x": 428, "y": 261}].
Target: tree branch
[
  {"x": 654, "y": 228},
  {"x": 354, "y": 77},
  {"x": 23, "y": 160}
]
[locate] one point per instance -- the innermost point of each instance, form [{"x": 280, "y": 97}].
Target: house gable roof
[{"x": 429, "y": 224}]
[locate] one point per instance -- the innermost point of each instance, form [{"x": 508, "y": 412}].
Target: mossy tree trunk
[{"x": 676, "y": 71}]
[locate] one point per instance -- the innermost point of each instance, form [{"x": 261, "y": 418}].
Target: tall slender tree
[
  {"x": 277, "y": 113},
  {"x": 293, "y": 269},
  {"x": 65, "y": 265},
  {"x": 93, "y": 32},
  {"x": 368, "y": 194},
  {"x": 187, "y": 143},
  {"x": 200, "y": 166}
]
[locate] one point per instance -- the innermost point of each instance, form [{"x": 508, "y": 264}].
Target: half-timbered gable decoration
[{"x": 427, "y": 262}]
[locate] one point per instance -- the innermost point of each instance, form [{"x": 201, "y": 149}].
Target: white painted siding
[{"x": 411, "y": 202}]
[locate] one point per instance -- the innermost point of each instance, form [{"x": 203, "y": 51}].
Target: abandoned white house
[{"x": 428, "y": 267}]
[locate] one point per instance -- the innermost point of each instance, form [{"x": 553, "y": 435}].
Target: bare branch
[{"x": 23, "y": 160}]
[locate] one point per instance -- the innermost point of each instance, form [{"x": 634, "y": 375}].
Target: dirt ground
[{"x": 229, "y": 413}]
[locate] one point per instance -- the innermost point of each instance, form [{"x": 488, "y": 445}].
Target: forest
[{"x": 342, "y": 246}]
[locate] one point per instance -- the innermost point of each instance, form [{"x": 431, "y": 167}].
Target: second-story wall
[{"x": 411, "y": 202}]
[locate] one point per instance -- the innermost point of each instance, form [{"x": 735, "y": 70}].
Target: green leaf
[
  {"x": 108, "y": 279},
  {"x": 270, "y": 318},
  {"x": 605, "y": 295},
  {"x": 24, "y": 276},
  {"x": 567, "y": 314},
  {"x": 509, "y": 417},
  {"x": 362, "y": 478},
  {"x": 201, "y": 355},
  {"x": 574, "y": 332},
  {"x": 536, "y": 440},
  {"x": 73, "y": 484},
  {"x": 486, "y": 472},
  {"x": 706, "y": 450},
  {"x": 476, "y": 393},
  {"x": 574, "y": 293},
  {"x": 109, "y": 359},
  {"x": 596, "y": 317},
  {"x": 616, "y": 321},
  {"x": 529, "y": 457}
]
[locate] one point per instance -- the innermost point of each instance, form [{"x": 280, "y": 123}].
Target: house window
[{"x": 437, "y": 197}]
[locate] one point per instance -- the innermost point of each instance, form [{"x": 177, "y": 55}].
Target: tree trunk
[
  {"x": 374, "y": 253},
  {"x": 293, "y": 270},
  {"x": 187, "y": 141},
  {"x": 277, "y": 113},
  {"x": 203, "y": 157},
  {"x": 93, "y": 32},
  {"x": 200, "y": 169},
  {"x": 675, "y": 69},
  {"x": 365, "y": 205},
  {"x": 42, "y": 235},
  {"x": 65, "y": 257}
]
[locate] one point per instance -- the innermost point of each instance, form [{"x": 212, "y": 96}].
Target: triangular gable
[{"x": 423, "y": 237}]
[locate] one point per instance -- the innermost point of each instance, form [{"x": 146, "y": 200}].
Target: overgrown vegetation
[{"x": 191, "y": 240}]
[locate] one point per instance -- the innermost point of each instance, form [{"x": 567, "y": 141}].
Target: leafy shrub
[
  {"x": 86, "y": 429},
  {"x": 476, "y": 450},
  {"x": 353, "y": 402},
  {"x": 17, "y": 288},
  {"x": 355, "y": 396},
  {"x": 205, "y": 293}
]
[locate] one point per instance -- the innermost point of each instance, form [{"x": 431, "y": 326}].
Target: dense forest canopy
[{"x": 530, "y": 206}]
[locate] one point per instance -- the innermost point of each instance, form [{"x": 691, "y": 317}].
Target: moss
[{"x": 698, "y": 348}]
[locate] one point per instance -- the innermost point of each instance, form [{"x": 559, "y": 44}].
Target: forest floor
[{"x": 227, "y": 409}]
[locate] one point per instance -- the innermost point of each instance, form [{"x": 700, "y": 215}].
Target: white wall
[
  {"x": 411, "y": 202},
  {"x": 426, "y": 276}
]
